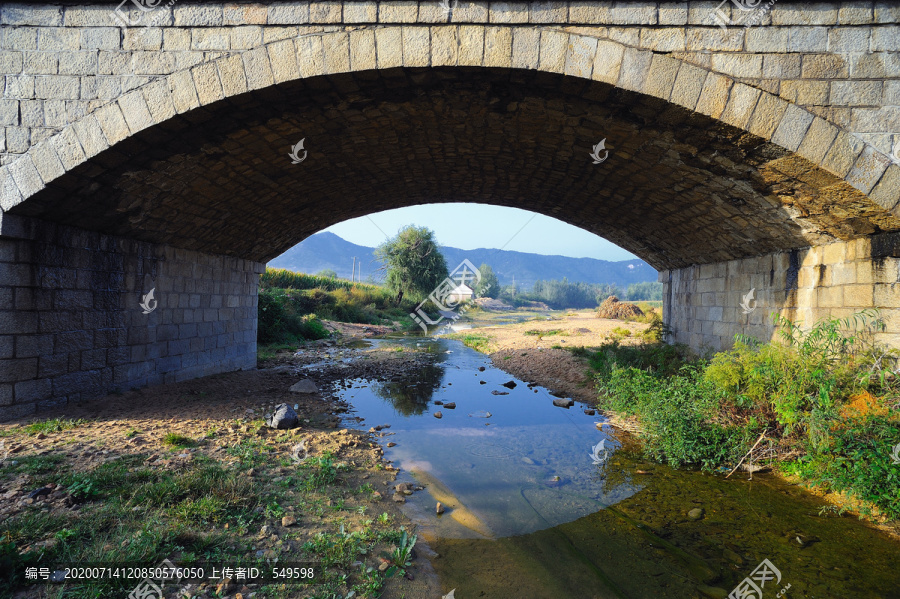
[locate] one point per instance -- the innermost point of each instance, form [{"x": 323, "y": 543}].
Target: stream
[{"x": 533, "y": 511}]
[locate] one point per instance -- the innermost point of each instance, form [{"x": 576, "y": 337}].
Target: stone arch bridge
[{"x": 148, "y": 149}]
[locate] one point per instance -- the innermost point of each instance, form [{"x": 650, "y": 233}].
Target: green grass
[
  {"x": 478, "y": 342},
  {"x": 53, "y": 425},
  {"x": 550, "y": 333},
  {"x": 175, "y": 440},
  {"x": 826, "y": 394}
]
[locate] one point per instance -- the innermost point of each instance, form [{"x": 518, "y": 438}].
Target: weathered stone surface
[{"x": 304, "y": 386}]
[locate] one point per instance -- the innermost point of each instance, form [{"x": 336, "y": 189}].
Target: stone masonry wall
[
  {"x": 839, "y": 60},
  {"x": 71, "y": 326},
  {"x": 704, "y": 303}
]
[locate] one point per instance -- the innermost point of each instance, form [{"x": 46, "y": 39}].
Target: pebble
[
  {"x": 439, "y": 508},
  {"x": 438, "y": 415},
  {"x": 391, "y": 444},
  {"x": 563, "y": 402},
  {"x": 450, "y": 405},
  {"x": 695, "y": 514},
  {"x": 288, "y": 521}
]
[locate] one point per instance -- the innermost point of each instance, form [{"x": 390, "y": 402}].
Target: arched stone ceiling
[{"x": 678, "y": 187}]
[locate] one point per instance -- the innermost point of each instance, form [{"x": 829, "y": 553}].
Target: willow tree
[{"x": 414, "y": 264}]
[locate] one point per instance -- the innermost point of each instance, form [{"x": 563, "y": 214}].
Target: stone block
[
  {"x": 661, "y": 77},
  {"x": 526, "y": 48},
  {"x": 856, "y": 93},
  {"x": 471, "y": 45},
  {"x": 198, "y": 15},
  {"x": 135, "y": 111},
  {"x": 688, "y": 85},
  {"x": 818, "y": 140},
  {"x": 767, "y": 115},
  {"x": 714, "y": 95},
  {"x": 608, "y": 62},
  {"x": 793, "y": 127},
  {"x": 112, "y": 123},
  {"x": 663, "y": 40},
  {"x": 416, "y": 47},
  {"x": 288, "y": 13},
  {"x": 184, "y": 95},
  {"x": 389, "y": 48},
  {"x": 635, "y": 66},
  {"x": 867, "y": 170},
  {"x": 580, "y": 56},
  {"x": 741, "y": 103},
  {"x": 12, "y": 371}
]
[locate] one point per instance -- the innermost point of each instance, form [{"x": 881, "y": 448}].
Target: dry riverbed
[
  {"x": 538, "y": 351},
  {"x": 190, "y": 472}
]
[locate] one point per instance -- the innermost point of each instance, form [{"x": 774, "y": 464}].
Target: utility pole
[{"x": 353, "y": 269}]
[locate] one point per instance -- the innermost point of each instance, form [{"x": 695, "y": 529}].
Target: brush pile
[{"x": 613, "y": 308}]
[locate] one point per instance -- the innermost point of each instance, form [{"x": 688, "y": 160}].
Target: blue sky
[{"x": 470, "y": 226}]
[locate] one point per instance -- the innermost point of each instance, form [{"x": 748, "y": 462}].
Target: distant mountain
[{"x": 328, "y": 251}]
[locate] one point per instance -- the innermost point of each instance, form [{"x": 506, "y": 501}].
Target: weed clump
[{"x": 824, "y": 402}]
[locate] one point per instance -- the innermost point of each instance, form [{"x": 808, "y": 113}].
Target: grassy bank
[
  {"x": 209, "y": 499},
  {"x": 822, "y": 404},
  {"x": 292, "y": 305}
]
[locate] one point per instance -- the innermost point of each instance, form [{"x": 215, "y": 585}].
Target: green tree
[
  {"x": 327, "y": 273},
  {"x": 490, "y": 284},
  {"x": 414, "y": 264},
  {"x": 651, "y": 290}
]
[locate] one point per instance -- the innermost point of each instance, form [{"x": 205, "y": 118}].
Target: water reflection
[{"x": 411, "y": 393}]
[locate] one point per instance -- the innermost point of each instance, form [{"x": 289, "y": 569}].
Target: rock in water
[
  {"x": 439, "y": 508},
  {"x": 510, "y": 384},
  {"x": 438, "y": 415},
  {"x": 284, "y": 417},
  {"x": 450, "y": 405},
  {"x": 304, "y": 386},
  {"x": 695, "y": 514},
  {"x": 563, "y": 403}
]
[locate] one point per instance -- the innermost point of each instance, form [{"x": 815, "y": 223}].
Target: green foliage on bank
[
  {"x": 826, "y": 402},
  {"x": 292, "y": 305},
  {"x": 280, "y": 278}
]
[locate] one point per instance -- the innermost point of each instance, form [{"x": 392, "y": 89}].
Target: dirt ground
[
  {"x": 220, "y": 413},
  {"x": 542, "y": 358}
]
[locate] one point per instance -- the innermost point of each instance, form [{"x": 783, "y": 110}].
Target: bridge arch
[{"x": 185, "y": 183}]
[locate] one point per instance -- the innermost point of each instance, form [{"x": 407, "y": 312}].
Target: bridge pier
[
  {"x": 71, "y": 324},
  {"x": 707, "y": 305}
]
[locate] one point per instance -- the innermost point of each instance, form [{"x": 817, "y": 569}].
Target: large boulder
[
  {"x": 304, "y": 386},
  {"x": 284, "y": 417}
]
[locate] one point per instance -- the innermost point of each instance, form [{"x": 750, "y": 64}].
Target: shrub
[
  {"x": 280, "y": 322},
  {"x": 825, "y": 397}
]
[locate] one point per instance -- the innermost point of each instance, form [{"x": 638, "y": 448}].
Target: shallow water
[{"x": 530, "y": 513}]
